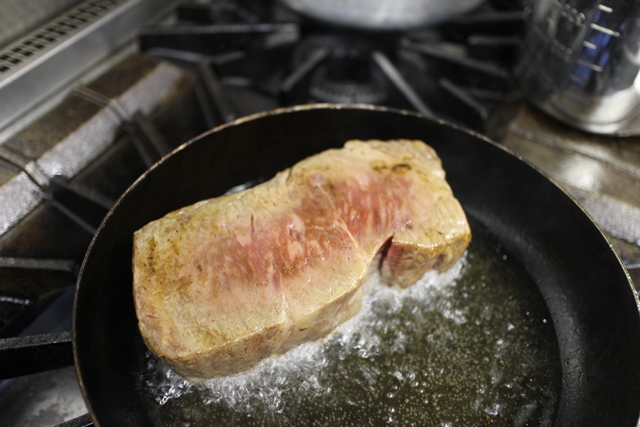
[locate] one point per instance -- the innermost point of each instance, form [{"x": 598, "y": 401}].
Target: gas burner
[
  {"x": 362, "y": 84},
  {"x": 282, "y": 60},
  {"x": 345, "y": 72}
]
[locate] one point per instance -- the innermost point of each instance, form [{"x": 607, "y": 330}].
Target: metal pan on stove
[{"x": 588, "y": 294}]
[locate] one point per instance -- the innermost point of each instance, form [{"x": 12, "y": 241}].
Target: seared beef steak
[{"x": 226, "y": 282}]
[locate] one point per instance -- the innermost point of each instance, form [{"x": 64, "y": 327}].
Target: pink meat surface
[{"x": 226, "y": 282}]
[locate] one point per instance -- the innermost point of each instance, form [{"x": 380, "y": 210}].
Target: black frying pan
[{"x": 588, "y": 293}]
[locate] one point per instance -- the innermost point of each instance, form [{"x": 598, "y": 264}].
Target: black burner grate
[{"x": 458, "y": 71}]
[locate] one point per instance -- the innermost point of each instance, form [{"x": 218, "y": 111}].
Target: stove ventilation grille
[
  {"x": 73, "y": 21},
  {"x": 52, "y": 58}
]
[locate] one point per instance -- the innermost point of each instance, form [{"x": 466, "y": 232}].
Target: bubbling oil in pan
[{"x": 469, "y": 347}]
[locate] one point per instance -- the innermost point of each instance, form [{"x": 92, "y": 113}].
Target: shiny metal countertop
[{"x": 602, "y": 173}]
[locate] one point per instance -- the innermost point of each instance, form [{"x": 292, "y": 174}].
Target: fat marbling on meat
[{"x": 226, "y": 282}]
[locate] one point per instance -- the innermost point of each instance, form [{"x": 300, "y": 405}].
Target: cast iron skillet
[{"x": 587, "y": 290}]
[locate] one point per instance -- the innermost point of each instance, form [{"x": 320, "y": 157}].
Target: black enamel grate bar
[
  {"x": 216, "y": 11},
  {"x": 28, "y": 285},
  {"x": 34, "y": 353},
  {"x": 401, "y": 84},
  {"x": 460, "y": 67},
  {"x": 217, "y": 95},
  {"x": 300, "y": 75},
  {"x": 147, "y": 139},
  {"x": 87, "y": 208},
  {"x": 459, "y": 101},
  {"x": 81, "y": 421},
  {"x": 209, "y": 39}
]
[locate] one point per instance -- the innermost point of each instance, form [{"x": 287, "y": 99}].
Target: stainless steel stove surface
[
  {"x": 602, "y": 173},
  {"x": 169, "y": 73}
]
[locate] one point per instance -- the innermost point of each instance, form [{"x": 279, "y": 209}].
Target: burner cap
[
  {"x": 361, "y": 83},
  {"x": 348, "y": 74}
]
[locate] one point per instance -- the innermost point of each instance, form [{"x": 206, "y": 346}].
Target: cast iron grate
[{"x": 459, "y": 71}]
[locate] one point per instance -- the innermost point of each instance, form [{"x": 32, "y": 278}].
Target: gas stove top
[{"x": 68, "y": 152}]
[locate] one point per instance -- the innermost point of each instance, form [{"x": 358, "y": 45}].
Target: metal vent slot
[
  {"x": 73, "y": 21},
  {"x": 49, "y": 59}
]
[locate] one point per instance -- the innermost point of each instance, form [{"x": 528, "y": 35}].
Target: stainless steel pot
[
  {"x": 580, "y": 63},
  {"x": 381, "y": 14}
]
